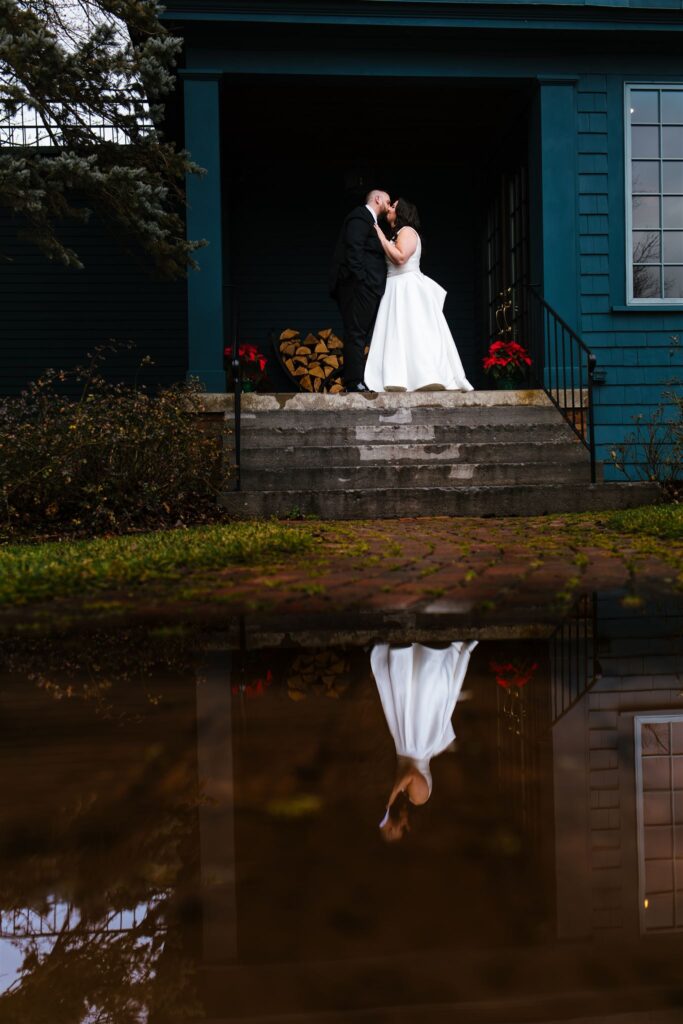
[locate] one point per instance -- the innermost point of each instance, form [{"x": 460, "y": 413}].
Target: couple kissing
[{"x": 388, "y": 304}]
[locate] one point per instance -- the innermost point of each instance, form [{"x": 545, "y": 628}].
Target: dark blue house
[{"x": 541, "y": 141}]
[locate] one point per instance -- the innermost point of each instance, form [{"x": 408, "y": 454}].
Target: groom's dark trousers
[{"x": 357, "y": 282}]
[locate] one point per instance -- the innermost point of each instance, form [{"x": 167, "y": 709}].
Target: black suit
[{"x": 357, "y": 282}]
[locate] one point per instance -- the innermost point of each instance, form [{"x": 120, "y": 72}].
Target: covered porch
[
  {"x": 305, "y": 151},
  {"x": 488, "y": 161}
]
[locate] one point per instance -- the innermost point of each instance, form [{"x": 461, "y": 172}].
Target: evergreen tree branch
[{"x": 94, "y": 75}]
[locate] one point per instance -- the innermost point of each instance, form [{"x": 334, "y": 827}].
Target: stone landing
[{"x": 483, "y": 453}]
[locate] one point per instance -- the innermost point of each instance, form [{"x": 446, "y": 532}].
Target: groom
[{"x": 359, "y": 275}]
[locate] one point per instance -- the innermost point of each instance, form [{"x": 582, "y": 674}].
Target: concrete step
[
  {"x": 291, "y": 456},
  {"x": 500, "y": 415},
  {"x": 391, "y": 503},
  {"x": 256, "y": 436},
  {"x": 310, "y": 403},
  {"x": 328, "y": 477}
]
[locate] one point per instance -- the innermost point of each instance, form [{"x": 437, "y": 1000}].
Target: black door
[{"x": 507, "y": 252}]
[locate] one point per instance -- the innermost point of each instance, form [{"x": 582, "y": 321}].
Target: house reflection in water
[
  {"x": 618, "y": 779},
  {"x": 234, "y": 789}
]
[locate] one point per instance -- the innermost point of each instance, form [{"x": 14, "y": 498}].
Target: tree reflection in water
[
  {"x": 96, "y": 973},
  {"x": 96, "y": 831}
]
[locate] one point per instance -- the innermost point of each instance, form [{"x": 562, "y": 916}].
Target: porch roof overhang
[{"x": 553, "y": 15}]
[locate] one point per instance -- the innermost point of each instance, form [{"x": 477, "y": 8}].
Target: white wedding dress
[
  {"x": 419, "y": 688},
  {"x": 412, "y": 348}
]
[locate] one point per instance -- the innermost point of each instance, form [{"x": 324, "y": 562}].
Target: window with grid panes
[
  {"x": 654, "y": 173},
  {"x": 659, "y": 806}
]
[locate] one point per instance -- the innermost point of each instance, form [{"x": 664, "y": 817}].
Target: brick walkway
[
  {"x": 442, "y": 567},
  {"x": 404, "y": 563}
]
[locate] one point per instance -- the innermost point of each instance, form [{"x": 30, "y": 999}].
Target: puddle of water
[{"x": 434, "y": 818}]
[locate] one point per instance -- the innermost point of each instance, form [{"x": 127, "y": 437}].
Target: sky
[{"x": 73, "y": 21}]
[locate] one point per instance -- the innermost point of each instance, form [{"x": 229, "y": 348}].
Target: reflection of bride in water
[{"x": 419, "y": 687}]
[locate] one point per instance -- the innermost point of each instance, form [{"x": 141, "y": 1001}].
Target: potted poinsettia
[
  {"x": 507, "y": 362},
  {"x": 253, "y": 366},
  {"x": 255, "y": 687},
  {"x": 513, "y": 675}
]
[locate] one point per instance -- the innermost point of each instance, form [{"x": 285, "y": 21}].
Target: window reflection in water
[{"x": 659, "y": 802}]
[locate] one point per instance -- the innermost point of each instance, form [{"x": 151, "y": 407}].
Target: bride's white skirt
[{"x": 412, "y": 348}]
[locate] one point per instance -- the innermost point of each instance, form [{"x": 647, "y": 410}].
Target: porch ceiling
[{"x": 389, "y": 120}]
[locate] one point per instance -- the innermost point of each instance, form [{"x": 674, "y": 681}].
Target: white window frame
[
  {"x": 638, "y": 721},
  {"x": 630, "y": 300}
]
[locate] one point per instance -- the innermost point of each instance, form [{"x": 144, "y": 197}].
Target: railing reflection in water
[
  {"x": 573, "y": 664},
  {"x": 25, "y": 923}
]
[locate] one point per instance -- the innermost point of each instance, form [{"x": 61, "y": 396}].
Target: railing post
[
  {"x": 236, "y": 389},
  {"x": 237, "y": 392},
  {"x": 592, "y": 362}
]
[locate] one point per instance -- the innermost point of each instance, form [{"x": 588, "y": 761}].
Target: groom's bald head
[{"x": 379, "y": 201}]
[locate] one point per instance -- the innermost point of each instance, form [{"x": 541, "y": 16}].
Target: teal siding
[
  {"x": 53, "y": 316},
  {"x": 557, "y": 202},
  {"x": 632, "y": 346}
]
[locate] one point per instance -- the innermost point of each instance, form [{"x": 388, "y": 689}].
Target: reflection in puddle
[
  {"x": 57, "y": 932},
  {"x": 190, "y": 821},
  {"x": 419, "y": 687}
]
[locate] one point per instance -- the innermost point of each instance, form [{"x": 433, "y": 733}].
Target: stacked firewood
[
  {"x": 318, "y": 673},
  {"x": 314, "y": 364}
]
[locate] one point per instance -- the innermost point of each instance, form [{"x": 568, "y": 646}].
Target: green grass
[
  {"x": 35, "y": 572},
  {"x": 40, "y": 572},
  {"x": 650, "y": 521}
]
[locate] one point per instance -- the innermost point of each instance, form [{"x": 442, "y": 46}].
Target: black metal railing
[
  {"x": 236, "y": 372},
  {"x": 574, "y": 667},
  {"x": 562, "y": 364}
]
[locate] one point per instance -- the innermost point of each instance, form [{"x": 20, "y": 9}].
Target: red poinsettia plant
[
  {"x": 253, "y": 366},
  {"x": 513, "y": 674},
  {"x": 507, "y": 360},
  {"x": 254, "y": 688}
]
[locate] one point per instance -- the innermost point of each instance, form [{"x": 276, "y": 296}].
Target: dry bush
[{"x": 114, "y": 459}]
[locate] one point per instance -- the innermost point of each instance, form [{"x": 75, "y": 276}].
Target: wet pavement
[
  {"x": 428, "y": 813},
  {"x": 453, "y": 569}
]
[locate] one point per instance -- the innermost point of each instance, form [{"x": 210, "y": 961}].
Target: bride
[
  {"x": 412, "y": 348},
  {"x": 419, "y": 687}
]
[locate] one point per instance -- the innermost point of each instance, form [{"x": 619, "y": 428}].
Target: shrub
[
  {"x": 654, "y": 449},
  {"x": 116, "y": 458},
  {"x": 664, "y": 521}
]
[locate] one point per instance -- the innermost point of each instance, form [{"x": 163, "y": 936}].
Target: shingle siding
[
  {"x": 53, "y": 316},
  {"x": 634, "y": 348},
  {"x": 639, "y": 655}
]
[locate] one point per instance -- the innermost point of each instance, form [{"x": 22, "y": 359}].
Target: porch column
[
  {"x": 205, "y": 313},
  {"x": 216, "y": 811},
  {"x": 557, "y": 195}
]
